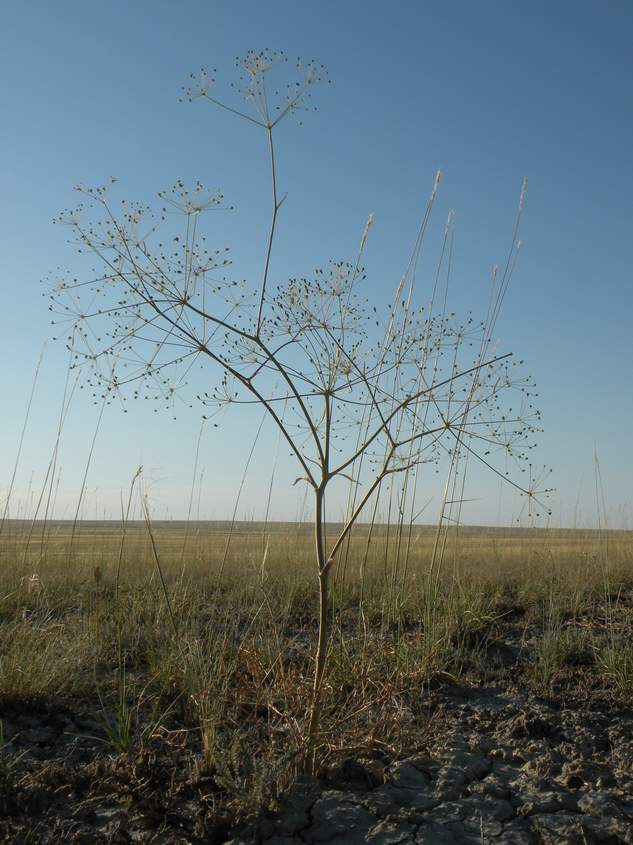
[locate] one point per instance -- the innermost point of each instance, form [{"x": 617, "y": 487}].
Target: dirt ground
[{"x": 498, "y": 760}]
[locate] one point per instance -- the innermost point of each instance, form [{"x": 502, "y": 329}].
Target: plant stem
[{"x": 322, "y": 644}]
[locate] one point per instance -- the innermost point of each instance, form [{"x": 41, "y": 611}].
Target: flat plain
[{"x": 155, "y": 681}]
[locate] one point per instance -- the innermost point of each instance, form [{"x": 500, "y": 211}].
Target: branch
[
  {"x": 273, "y": 223},
  {"x": 407, "y": 401},
  {"x": 375, "y": 483}
]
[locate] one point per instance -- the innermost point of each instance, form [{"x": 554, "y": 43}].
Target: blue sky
[{"x": 490, "y": 92}]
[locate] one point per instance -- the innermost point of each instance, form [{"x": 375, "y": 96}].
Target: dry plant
[{"x": 356, "y": 397}]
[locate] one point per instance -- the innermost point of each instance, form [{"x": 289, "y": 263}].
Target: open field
[
  {"x": 379, "y": 281},
  {"x": 155, "y": 681}
]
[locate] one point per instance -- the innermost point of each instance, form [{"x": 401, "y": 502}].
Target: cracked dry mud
[
  {"x": 509, "y": 769},
  {"x": 500, "y": 766}
]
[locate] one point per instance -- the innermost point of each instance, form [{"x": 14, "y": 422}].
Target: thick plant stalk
[
  {"x": 306, "y": 351},
  {"x": 323, "y": 633}
]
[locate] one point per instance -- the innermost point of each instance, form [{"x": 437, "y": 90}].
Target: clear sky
[{"x": 488, "y": 91}]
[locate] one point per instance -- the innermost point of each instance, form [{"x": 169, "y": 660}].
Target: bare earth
[{"x": 496, "y": 763}]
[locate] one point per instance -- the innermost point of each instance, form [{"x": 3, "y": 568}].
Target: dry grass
[{"x": 229, "y": 662}]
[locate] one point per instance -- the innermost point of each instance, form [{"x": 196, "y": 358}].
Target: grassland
[{"x": 193, "y": 644}]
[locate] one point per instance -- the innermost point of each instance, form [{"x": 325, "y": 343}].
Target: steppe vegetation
[
  {"x": 150, "y": 666},
  {"x": 364, "y": 400},
  {"x": 172, "y": 681}
]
